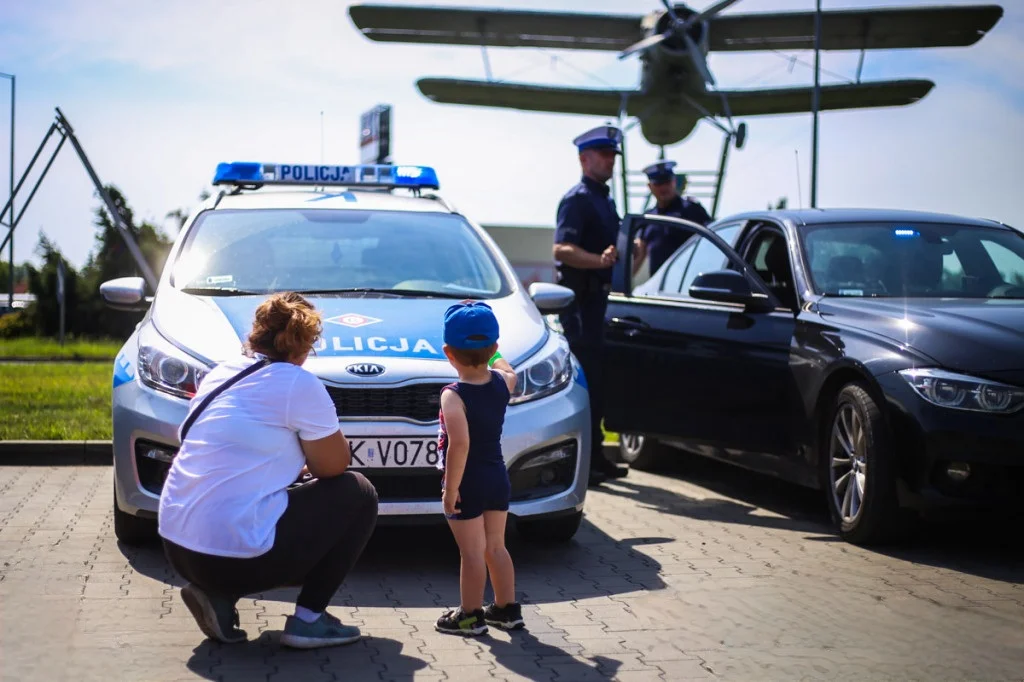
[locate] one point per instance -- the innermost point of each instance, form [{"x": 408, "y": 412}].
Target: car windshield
[
  {"x": 927, "y": 260},
  {"x": 326, "y": 250}
]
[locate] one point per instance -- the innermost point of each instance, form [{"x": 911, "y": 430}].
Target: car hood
[
  {"x": 404, "y": 334},
  {"x": 980, "y": 336}
]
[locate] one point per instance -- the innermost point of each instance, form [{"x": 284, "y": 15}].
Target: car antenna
[{"x": 799, "y": 192}]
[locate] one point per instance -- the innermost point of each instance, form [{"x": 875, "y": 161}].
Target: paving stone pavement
[{"x": 704, "y": 573}]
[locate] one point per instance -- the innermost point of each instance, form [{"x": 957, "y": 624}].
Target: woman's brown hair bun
[{"x": 286, "y": 325}]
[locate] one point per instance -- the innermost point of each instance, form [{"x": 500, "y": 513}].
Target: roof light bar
[{"x": 365, "y": 175}]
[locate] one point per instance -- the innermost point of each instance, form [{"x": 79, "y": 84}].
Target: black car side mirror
[{"x": 727, "y": 286}]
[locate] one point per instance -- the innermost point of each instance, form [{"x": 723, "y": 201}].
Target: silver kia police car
[{"x": 381, "y": 256}]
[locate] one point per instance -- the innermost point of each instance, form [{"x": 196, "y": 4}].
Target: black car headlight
[
  {"x": 963, "y": 392},
  {"x": 547, "y": 373},
  {"x": 166, "y": 368}
]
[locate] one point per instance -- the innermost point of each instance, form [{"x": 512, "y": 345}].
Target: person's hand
[
  {"x": 609, "y": 256},
  {"x": 449, "y": 499}
]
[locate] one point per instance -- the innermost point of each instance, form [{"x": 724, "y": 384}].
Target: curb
[
  {"x": 62, "y": 359},
  {"x": 52, "y": 452}
]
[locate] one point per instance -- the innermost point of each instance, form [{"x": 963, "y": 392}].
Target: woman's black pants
[{"x": 317, "y": 542}]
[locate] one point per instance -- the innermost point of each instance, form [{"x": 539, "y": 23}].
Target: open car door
[{"x": 697, "y": 353}]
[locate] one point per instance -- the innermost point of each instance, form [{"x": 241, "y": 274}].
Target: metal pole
[
  {"x": 816, "y": 104},
  {"x": 721, "y": 174},
  {"x": 10, "y": 252},
  {"x": 625, "y": 178}
]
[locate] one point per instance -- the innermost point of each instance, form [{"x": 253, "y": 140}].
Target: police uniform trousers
[{"x": 583, "y": 325}]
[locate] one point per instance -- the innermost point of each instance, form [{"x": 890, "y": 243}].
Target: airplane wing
[
  {"x": 840, "y": 96},
  {"x": 870, "y": 29},
  {"x": 501, "y": 28},
  {"x": 529, "y": 97}
]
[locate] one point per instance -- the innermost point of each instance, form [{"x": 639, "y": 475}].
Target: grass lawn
[
  {"x": 33, "y": 347},
  {"x": 55, "y": 401}
]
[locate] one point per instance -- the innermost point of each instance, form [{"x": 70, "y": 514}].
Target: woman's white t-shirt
[{"x": 227, "y": 486}]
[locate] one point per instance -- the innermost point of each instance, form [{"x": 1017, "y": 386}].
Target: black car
[{"x": 877, "y": 355}]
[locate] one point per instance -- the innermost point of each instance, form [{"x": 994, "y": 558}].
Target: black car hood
[{"x": 970, "y": 335}]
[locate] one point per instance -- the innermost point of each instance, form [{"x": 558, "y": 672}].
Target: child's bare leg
[
  {"x": 472, "y": 541},
  {"x": 499, "y": 562}
]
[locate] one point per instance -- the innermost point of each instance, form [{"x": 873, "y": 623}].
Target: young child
[{"x": 476, "y": 486}]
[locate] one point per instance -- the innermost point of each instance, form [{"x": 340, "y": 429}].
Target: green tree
[
  {"x": 20, "y": 275},
  {"x": 44, "y": 313},
  {"x": 112, "y": 259}
]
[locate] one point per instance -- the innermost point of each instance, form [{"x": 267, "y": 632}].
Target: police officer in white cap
[
  {"x": 658, "y": 241},
  {"x": 586, "y": 231}
]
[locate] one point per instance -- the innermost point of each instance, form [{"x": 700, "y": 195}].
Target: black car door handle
[{"x": 631, "y": 325}]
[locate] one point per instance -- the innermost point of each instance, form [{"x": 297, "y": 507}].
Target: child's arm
[
  {"x": 507, "y": 373},
  {"x": 457, "y": 428}
]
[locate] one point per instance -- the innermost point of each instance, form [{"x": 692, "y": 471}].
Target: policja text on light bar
[{"x": 368, "y": 175}]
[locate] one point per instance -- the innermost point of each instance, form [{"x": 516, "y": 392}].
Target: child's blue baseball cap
[{"x": 470, "y": 325}]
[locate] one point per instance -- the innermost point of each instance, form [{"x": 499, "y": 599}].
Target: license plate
[{"x": 393, "y": 453}]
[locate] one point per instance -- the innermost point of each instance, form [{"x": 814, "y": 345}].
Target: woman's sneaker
[
  {"x": 458, "y": 622},
  {"x": 507, "y": 617},
  {"x": 216, "y": 616},
  {"x": 324, "y": 631}
]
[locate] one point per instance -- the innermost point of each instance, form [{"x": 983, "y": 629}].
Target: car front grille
[
  {"x": 418, "y": 402},
  {"x": 405, "y": 486}
]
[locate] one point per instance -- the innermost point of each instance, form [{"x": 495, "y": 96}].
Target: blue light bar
[
  {"x": 904, "y": 232},
  {"x": 366, "y": 175}
]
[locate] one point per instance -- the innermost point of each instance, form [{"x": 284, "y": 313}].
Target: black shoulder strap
[{"x": 190, "y": 419}]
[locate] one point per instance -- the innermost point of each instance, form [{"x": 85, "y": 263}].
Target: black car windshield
[
  {"x": 231, "y": 252},
  {"x": 928, "y": 260}
]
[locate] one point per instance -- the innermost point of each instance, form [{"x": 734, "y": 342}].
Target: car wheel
[
  {"x": 640, "y": 451},
  {"x": 547, "y": 531},
  {"x": 859, "y": 469},
  {"x": 132, "y": 530}
]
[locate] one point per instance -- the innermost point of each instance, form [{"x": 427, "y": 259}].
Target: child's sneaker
[
  {"x": 458, "y": 622},
  {"x": 507, "y": 617}
]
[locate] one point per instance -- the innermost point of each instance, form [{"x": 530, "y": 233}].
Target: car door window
[
  {"x": 769, "y": 256},
  {"x": 676, "y": 269},
  {"x": 707, "y": 257}
]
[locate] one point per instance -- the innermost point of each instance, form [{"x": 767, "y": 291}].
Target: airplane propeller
[{"x": 680, "y": 27}]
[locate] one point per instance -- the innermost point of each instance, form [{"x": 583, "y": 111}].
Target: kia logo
[{"x": 365, "y": 369}]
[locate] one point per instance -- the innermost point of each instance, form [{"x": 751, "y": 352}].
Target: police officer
[
  {"x": 661, "y": 241},
  {"x": 586, "y": 230}
]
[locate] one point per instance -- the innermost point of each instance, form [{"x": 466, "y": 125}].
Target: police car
[{"x": 381, "y": 256}]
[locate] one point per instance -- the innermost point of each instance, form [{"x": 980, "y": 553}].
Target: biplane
[{"x": 676, "y": 88}]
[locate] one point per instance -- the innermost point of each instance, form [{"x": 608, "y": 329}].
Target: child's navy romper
[{"x": 485, "y": 485}]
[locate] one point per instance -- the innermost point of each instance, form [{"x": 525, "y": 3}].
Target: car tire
[
  {"x": 859, "y": 473},
  {"x": 132, "y": 530},
  {"x": 558, "y": 530},
  {"x": 640, "y": 451}
]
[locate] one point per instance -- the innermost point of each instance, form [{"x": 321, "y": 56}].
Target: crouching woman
[{"x": 231, "y": 520}]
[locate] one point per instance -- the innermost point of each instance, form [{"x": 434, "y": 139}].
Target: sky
[{"x": 160, "y": 93}]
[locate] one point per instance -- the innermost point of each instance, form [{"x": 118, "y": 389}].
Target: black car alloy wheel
[{"x": 860, "y": 475}]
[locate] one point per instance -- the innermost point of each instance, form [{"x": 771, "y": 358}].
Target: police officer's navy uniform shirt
[
  {"x": 662, "y": 240},
  {"x": 587, "y": 217}
]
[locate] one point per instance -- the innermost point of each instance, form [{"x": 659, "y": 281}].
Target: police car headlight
[
  {"x": 549, "y": 373},
  {"x": 166, "y": 368}
]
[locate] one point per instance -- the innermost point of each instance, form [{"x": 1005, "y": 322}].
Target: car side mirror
[
  {"x": 551, "y": 299},
  {"x": 125, "y": 293},
  {"x": 726, "y": 286}
]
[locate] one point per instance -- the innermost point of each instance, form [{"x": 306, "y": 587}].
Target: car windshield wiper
[
  {"x": 218, "y": 291},
  {"x": 393, "y": 292}
]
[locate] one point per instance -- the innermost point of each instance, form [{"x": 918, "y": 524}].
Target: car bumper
[
  {"x": 952, "y": 455},
  {"x": 145, "y": 426}
]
